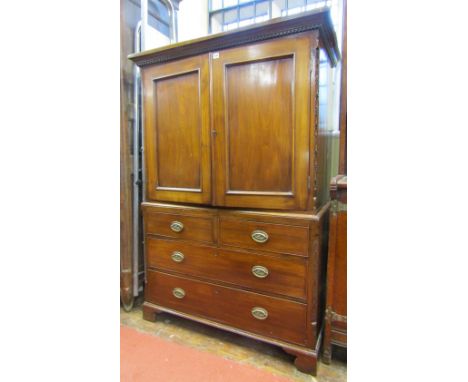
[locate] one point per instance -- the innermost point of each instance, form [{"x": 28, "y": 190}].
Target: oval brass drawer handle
[
  {"x": 177, "y": 256},
  {"x": 178, "y": 292},
  {"x": 177, "y": 226},
  {"x": 259, "y": 271},
  {"x": 259, "y": 236},
  {"x": 259, "y": 313}
]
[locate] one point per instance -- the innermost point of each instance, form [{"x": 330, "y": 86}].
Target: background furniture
[
  {"x": 335, "y": 314},
  {"x": 236, "y": 181},
  {"x": 142, "y": 23}
]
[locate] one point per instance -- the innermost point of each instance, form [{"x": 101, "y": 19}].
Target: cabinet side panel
[
  {"x": 323, "y": 133},
  {"x": 340, "y": 279},
  {"x": 317, "y": 272}
]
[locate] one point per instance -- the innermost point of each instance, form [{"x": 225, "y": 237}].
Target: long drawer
[
  {"x": 180, "y": 226},
  {"x": 269, "y": 316},
  {"x": 279, "y": 274},
  {"x": 263, "y": 236}
]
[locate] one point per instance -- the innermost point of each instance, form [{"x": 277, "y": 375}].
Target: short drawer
[
  {"x": 197, "y": 228},
  {"x": 279, "y": 274},
  {"x": 269, "y": 316},
  {"x": 264, "y": 236}
]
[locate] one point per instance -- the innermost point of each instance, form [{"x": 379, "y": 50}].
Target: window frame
[
  {"x": 237, "y": 7},
  {"x": 332, "y": 74},
  {"x": 282, "y": 12}
]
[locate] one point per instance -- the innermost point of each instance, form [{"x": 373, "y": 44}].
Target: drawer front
[
  {"x": 280, "y": 274},
  {"x": 264, "y": 236},
  {"x": 268, "y": 316},
  {"x": 180, "y": 226},
  {"x": 339, "y": 337}
]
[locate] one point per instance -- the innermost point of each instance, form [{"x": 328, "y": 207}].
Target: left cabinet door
[{"x": 176, "y": 104}]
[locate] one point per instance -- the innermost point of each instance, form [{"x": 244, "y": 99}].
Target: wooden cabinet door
[
  {"x": 261, "y": 103},
  {"x": 177, "y": 131}
]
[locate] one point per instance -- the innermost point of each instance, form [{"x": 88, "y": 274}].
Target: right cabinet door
[{"x": 261, "y": 122}]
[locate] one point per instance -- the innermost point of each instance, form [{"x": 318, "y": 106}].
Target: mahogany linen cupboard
[{"x": 236, "y": 181}]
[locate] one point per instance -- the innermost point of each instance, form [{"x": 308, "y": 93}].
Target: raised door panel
[
  {"x": 177, "y": 131},
  {"x": 261, "y": 101}
]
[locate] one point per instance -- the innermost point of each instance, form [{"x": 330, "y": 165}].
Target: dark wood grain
[
  {"x": 286, "y": 319},
  {"x": 149, "y": 313},
  {"x": 312, "y": 225},
  {"x": 232, "y": 127},
  {"x": 295, "y": 218},
  {"x": 307, "y": 363},
  {"x": 318, "y": 235},
  {"x": 281, "y": 238},
  {"x": 195, "y": 228},
  {"x": 177, "y": 131},
  {"x": 287, "y": 274},
  {"x": 253, "y": 111},
  {"x": 338, "y": 337},
  {"x": 165, "y": 208},
  {"x": 319, "y": 20},
  {"x": 336, "y": 304},
  {"x": 126, "y": 238},
  {"x": 151, "y": 310},
  {"x": 260, "y": 116}
]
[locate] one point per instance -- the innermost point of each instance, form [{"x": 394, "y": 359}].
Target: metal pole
[
  {"x": 173, "y": 17},
  {"x": 136, "y": 165},
  {"x": 144, "y": 23}
]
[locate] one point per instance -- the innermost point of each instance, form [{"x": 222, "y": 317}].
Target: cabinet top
[{"x": 278, "y": 27}]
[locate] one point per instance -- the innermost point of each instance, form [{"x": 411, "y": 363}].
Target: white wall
[
  {"x": 192, "y": 19},
  {"x": 155, "y": 38}
]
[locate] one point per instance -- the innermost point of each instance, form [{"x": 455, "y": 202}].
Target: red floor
[{"x": 144, "y": 357}]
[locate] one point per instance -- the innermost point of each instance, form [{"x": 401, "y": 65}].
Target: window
[
  {"x": 157, "y": 31},
  {"x": 231, "y": 14}
]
